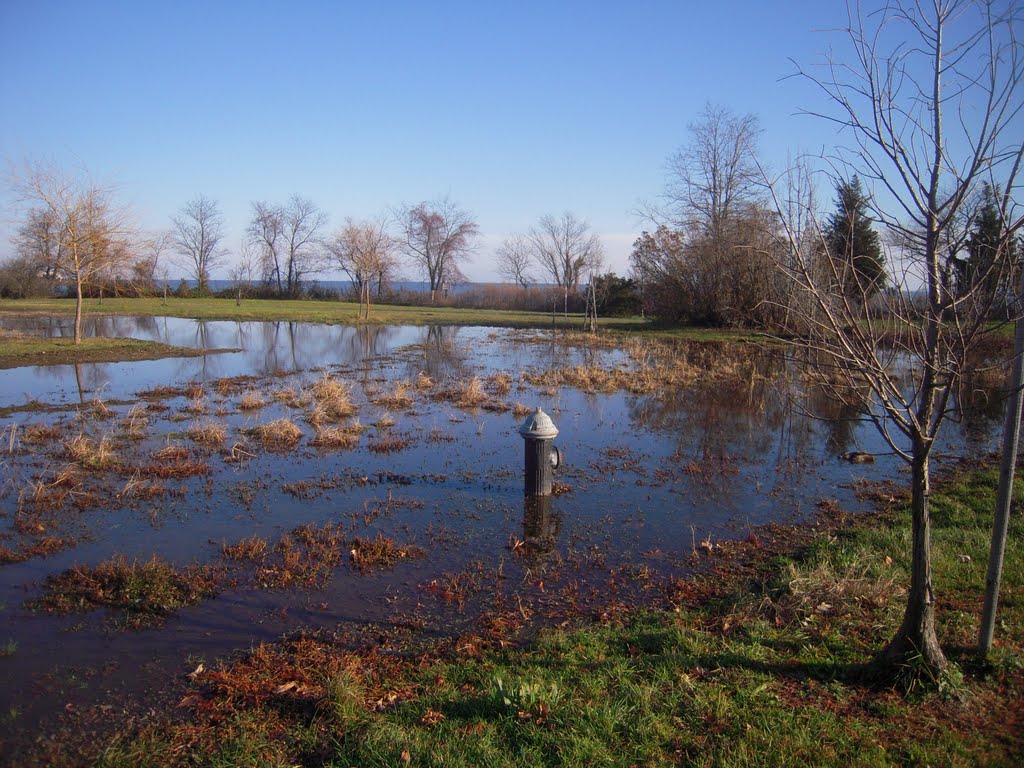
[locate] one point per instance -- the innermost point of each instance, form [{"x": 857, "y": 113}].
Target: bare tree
[
  {"x": 566, "y": 249},
  {"x": 143, "y": 270},
  {"x": 78, "y": 232},
  {"x": 515, "y": 260},
  {"x": 715, "y": 174},
  {"x": 366, "y": 253},
  {"x": 437, "y": 237},
  {"x": 302, "y": 223},
  {"x": 243, "y": 272},
  {"x": 198, "y": 230},
  {"x": 930, "y": 120},
  {"x": 264, "y": 231}
]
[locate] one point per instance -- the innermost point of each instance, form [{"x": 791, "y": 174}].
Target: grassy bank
[
  {"x": 333, "y": 312},
  {"x": 758, "y": 664},
  {"x": 17, "y": 350},
  {"x": 346, "y": 313}
]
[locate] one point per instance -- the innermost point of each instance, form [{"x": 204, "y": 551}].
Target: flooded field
[{"x": 155, "y": 516}]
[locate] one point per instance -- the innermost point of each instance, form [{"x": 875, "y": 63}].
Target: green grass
[
  {"x": 27, "y": 350},
  {"x": 334, "y": 312},
  {"x": 347, "y": 313},
  {"x": 765, "y": 675}
]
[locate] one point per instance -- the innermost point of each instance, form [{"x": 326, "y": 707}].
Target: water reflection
[
  {"x": 265, "y": 348},
  {"x": 541, "y": 526}
]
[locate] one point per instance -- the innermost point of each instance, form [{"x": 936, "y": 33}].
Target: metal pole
[{"x": 1001, "y": 523}]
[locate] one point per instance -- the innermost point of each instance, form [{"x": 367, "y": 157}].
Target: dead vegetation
[
  {"x": 90, "y": 453},
  {"x": 280, "y": 434},
  {"x": 208, "y": 435},
  {"x": 332, "y": 401},
  {"x": 398, "y": 398},
  {"x": 145, "y": 592},
  {"x": 251, "y": 400},
  {"x": 380, "y": 552},
  {"x": 336, "y": 437}
]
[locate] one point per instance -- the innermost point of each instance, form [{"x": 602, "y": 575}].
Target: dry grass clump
[
  {"x": 501, "y": 383},
  {"x": 198, "y": 403},
  {"x": 472, "y": 393},
  {"x": 278, "y": 434},
  {"x": 380, "y": 552},
  {"x": 37, "y": 434},
  {"x": 100, "y": 409},
  {"x": 385, "y": 421},
  {"x": 398, "y": 398},
  {"x": 333, "y": 401},
  {"x": 172, "y": 461},
  {"x": 336, "y": 437},
  {"x": 290, "y": 397},
  {"x": 390, "y": 443},
  {"x": 44, "y": 494},
  {"x": 90, "y": 453},
  {"x": 521, "y": 411},
  {"x": 251, "y": 400},
  {"x": 305, "y": 556},
  {"x": 423, "y": 381},
  {"x": 211, "y": 435},
  {"x": 135, "y": 422},
  {"x": 254, "y": 548}
]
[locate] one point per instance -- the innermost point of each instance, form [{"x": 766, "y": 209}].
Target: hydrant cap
[{"x": 539, "y": 426}]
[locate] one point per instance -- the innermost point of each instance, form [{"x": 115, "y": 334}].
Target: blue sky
[{"x": 514, "y": 110}]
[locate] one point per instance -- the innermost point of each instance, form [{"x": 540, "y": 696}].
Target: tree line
[{"x": 76, "y": 237}]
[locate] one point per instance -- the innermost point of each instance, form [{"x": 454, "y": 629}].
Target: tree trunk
[
  {"x": 78, "y": 310},
  {"x": 915, "y": 648}
]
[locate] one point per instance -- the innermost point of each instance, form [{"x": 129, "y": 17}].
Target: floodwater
[{"x": 646, "y": 477}]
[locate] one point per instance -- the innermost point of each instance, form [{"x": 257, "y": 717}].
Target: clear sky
[{"x": 514, "y": 110}]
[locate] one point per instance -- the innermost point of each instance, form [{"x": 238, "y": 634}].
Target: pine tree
[
  {"x": 853, "y": 242},
  {"x": 987, "y": 237}
]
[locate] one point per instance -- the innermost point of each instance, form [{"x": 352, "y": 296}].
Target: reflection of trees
[
  {"x": 723, "y": 425},
  {"x": 840, "y": 416},
  {"x": 442, "y": 356},
  {"x": 541, "y": 526}
]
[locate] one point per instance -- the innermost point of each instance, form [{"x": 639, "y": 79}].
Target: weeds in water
[
  {"x": 380, "y": 552},
  {"x": 398, "y": 398},
  {"x": 209, "y": 435},
  {"x": 390, "y": 443},
  {"x": 144, "y": 591},
  {"x": 336, "y": 437},
  {"x": 280, "y": 434},
  {"x": 251, "y": 400},
  {"x": 38, "y": 434},
  {"x": 135, "y": 422},
  {"x": 253, "y": 548},
  {"x": 89, "y": 453},
  {"x": 333, "y": 401}
]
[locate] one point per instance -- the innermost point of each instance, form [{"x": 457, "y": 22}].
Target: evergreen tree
[
  {"x": 987, "y": 237},
  {"x": 853, "y": 242}
]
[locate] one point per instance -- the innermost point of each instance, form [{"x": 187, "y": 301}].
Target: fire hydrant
[{"x": 538, "y": 432}]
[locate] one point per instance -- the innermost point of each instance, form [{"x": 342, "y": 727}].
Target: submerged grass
[
  {"x": 753, "y": 665},
  {"x": 144, "y": 592}
]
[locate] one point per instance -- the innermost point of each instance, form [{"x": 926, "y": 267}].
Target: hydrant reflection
[{"x": 541, "y": 525}]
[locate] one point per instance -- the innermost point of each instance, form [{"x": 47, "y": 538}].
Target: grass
[
  {"x": 280, "y": 434},
  {"x": 143, "y": 592},
  {"x": 340, "y": 312},
  {"x": 16, "y": 351},
  {"x": 754, "y": 664}
]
